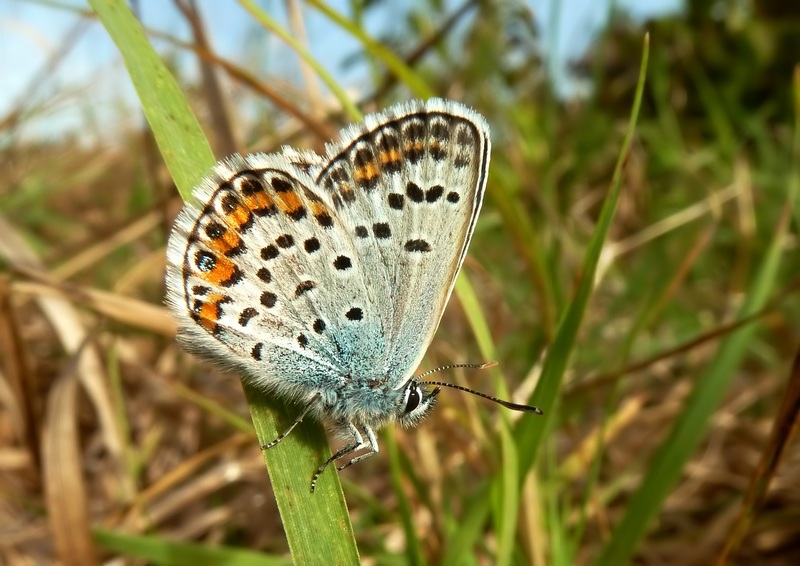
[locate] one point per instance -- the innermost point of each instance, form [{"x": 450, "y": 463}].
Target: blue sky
[{"x": 31, "y": 33}]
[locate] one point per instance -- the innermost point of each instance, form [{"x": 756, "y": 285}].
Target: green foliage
[
  {"x": 632, "y": 282},
  {"x": 174, "y": 125}
]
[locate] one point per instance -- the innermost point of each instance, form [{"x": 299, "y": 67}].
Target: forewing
[
  {"x": 407, "y": 185},
  {"x": 266, "y": 277}
]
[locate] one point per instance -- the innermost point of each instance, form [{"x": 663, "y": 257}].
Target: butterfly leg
[
  {"x": 373, "y": 446},
  {"x": 296, "y": 422},
  {"x": 357, "y": 444}
]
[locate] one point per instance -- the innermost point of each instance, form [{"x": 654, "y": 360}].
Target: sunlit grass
[{"x": 655, "y": 338}]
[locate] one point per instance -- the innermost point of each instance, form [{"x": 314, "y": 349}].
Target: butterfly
[{"x": 323, "y": 278}]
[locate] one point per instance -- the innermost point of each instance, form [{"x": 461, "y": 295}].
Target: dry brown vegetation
[{"x": 106, "y": 426}]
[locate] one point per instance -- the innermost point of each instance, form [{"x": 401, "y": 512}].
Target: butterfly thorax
[{"x": 373, "y": 402}]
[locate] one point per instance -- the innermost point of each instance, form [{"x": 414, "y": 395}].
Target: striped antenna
[{"x": 503, "y": 402}]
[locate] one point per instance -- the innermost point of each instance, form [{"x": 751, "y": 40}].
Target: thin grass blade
[
  {"x": 317, "y": 525},
  {"x": 380, "y": 52},
  {"x": 669, "y": 461},
  {"x": 157, "y": 550},
  {"x": 530, "y": 432}
]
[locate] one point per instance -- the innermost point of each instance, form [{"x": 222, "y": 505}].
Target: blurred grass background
[{"x": 680, "y": 398}]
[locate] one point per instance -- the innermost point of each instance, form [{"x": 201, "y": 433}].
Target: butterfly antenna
[{"x": 503, "y": 402}]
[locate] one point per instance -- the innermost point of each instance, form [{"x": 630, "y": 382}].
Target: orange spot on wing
[
  {"x": 390, "y": 156},
  {"x": 227, "y": 242},
  {"x": 318, "y": 208},
  {"x": 222, "y": 271},
  {"x": 211, "y": 312},
  {"x": 239, "y": 216},
  {"x": 259, "y": 201},
  {"x": 414, "y": 148},
  {"x": 366, "y": 173},
  {"x": 289, "y": 202}
]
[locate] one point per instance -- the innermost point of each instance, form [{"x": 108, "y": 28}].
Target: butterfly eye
[{"x": 413, "y": 398}]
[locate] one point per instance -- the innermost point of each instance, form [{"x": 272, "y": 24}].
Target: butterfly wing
[
  {"x": 408, "y": 185},
  {"x": 266, "y": 275},
  {"x": 315, "y": 272}
]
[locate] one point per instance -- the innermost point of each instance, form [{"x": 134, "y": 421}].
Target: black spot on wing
[
  {"x": 417, "y": 245},
  {"x": 354, "y": 314}
]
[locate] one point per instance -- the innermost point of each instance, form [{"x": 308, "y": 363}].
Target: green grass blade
[
  {"x": 668, "y": 463},
  {"x": 180, "y": 139},
  {"x": 509, "y": 484},
  {"x": 380, "y": 52},
  {"x": 158, "y": 550},
  {"x": 413, "y": 552},
  {"x": 507, "y": 512},
  {"x": 530, "y": 432},
  {"x": 268, "y": 22},
  {"x": 470, "y": 528},
  {"x": 317, "y": 526}
]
